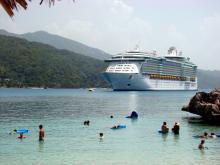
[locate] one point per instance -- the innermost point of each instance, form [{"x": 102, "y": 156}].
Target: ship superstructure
[{"x": 135, "y": 70}]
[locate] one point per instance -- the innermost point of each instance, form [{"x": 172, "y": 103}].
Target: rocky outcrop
[{"x": 206, "y": 105}]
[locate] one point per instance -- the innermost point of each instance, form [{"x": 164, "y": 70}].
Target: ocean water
[{"x": 69, "y": 142}]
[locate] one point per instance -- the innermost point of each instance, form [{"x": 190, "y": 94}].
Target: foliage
[
  {"x": 24, "y": 64},
  {"x": 10, "y": 5}
]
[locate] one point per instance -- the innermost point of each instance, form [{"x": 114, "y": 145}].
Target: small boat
[{"x": 91, "y": 89}]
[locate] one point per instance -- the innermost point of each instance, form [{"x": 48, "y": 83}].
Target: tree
[{"x": 10, "y": 5}]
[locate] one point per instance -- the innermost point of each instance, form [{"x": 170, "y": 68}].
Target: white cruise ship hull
[{"x": 139, "y": 82}]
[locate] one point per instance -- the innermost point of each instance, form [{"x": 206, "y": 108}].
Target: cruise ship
[{"x": 136, "y": 70}]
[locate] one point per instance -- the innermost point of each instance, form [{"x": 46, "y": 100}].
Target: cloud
[
  {"x": 83, "y": 31},
  {"x": 210, "y": 26},
  {"x": 207, "y": 42},
  {"x": 175, "y": 35},
  {"x": 120, "y": 7},
  {"x": 118, "y": 30}
]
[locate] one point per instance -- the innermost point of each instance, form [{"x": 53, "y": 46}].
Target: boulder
[{"x": 206, "y": 105}]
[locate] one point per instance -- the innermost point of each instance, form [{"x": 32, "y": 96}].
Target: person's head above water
[
  {"x": 101, "y": 134},
  {"x": 202, "y": 141},
  {"x": 40, "y": 126},
  {"x": 205, "y": 134}
]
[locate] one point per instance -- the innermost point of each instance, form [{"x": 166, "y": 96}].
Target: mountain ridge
[{"x": 60, "y": 42}]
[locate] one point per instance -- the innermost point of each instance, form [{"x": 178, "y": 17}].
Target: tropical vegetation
[
  {"x": 10, "y": 5},
  {"x": 32, "y": 64}
]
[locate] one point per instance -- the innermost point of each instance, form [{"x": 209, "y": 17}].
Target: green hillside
[
  {"x": 60, "y": 43},
  {"x": 208, "y": 79},
  {"x": 28, "y": 64},
  {"x": 24, "y": 64}
]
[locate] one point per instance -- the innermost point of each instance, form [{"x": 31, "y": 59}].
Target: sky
[{"x": 192, "y": 26}]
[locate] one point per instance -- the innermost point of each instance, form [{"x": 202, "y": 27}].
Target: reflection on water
[{"x": 41, "y": 146}]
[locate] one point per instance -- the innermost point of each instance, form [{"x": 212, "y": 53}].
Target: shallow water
[{"x": 68, "y": 141}]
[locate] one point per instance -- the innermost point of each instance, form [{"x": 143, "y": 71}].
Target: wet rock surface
[{"x": 207, "y": 105}]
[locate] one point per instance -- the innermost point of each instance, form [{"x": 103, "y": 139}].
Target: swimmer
[
  {"x": 164, "y": 128},
  {"x": 114, "y": 127},
  {"x": 201, "y": 145},
  {"x": 13, "y": 132},
  {"x": 86, "y": 122},
  {"x": 213, "y": 135},
  {"x": 111, "y": 117},
  {"x": 101, "y": 136},
  {"x": 205, "y": 135},
  {"x": 21, "y": 136}
]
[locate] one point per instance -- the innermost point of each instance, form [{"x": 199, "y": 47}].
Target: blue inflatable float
[
  {"x": 119, "y": 126},
  {"x": 22, "y": 131}
]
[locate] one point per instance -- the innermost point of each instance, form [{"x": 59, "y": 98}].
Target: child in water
[
  {"x": 21, "y": 136},
  {"x": 101, "y": 136}
]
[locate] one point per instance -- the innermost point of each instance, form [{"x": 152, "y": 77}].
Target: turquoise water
[{"x": 68, "y": 141}]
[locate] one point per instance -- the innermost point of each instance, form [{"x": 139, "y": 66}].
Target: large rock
[{"x": 206, "y": 105}]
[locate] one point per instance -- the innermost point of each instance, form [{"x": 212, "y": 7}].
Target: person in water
[
  {"x": 201, "y": 145},
  {"x": 176, "y": 128},
  {"x": 164, "y": 128},
  {"x": 114, "y": 127},
  {"x": 87, "y": 122},
  {"x": 101, "y": 136},
  {"x": 13, "y": 132},
  {"x": 205, "y": 135},
  {"x": 41, "y": 133},
  {"x": 21, "y": 136},
  {"x": 213, "y": 135}
]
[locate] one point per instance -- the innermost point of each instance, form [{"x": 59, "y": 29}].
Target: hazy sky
[{"x": 193, "y": 26}]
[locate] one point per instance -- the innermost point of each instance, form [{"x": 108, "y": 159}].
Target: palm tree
[{"x": 10, "y": 5}]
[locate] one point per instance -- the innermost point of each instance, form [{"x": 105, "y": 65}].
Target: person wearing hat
[{"x": 176, "y": 128}]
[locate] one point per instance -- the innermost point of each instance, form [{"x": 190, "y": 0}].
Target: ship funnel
[
  {"x": 172, "y": 51},
  {"x": 137, "y": 48}
]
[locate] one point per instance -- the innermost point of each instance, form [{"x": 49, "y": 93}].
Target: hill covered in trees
[
  {"x": 25, "y": 64},
  {"x": 32, "y": 64},
  {"x": 60, "y": 43}
]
